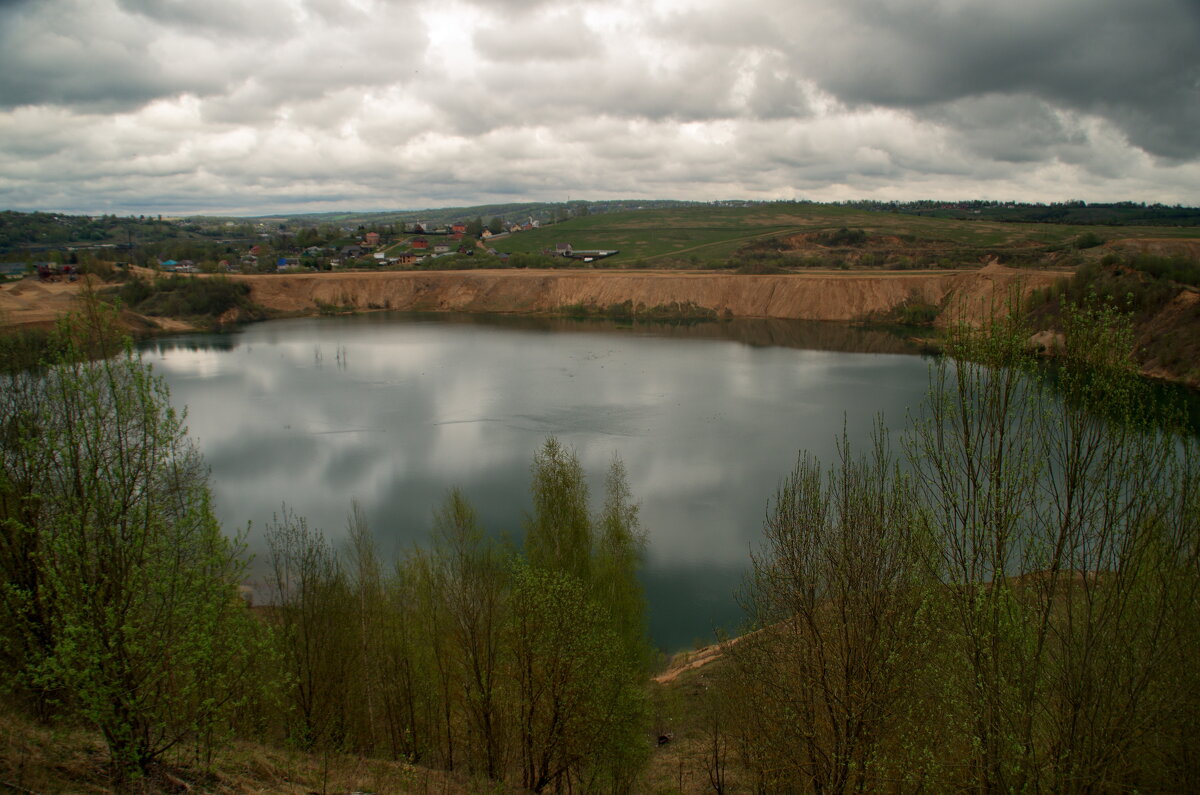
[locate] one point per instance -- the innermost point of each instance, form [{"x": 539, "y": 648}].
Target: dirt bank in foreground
[{"x": 810, "y": 296}]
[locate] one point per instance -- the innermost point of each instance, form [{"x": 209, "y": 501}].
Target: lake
[{"x": 393, "y": 410}]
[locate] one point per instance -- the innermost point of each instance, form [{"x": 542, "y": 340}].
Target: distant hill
[
  {"x": 652, "y": 233},
  {"x": 54, "y": 230},
  {"x": 543, "y": 212},
  {"x": 1071, "y": 212},
  {"x": 762, "y": 237}
]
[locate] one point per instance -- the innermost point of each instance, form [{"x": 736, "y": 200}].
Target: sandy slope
[
  {"x": 809, "y": 296},
  {"x": 833, "y": 295},
  {"x": 32, "y": 303}
]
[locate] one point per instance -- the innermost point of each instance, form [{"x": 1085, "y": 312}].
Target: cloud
[
  {"x": 550, "y": 37},
  {"x": 1133, "y": 64},
  {"x": 384, "y": 103}
]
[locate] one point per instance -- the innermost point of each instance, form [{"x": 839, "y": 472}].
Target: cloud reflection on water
[{"x": 395, "y": 411}]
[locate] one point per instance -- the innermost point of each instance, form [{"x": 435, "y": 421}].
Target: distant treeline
[
  {"x": 57, "y": 229},
  {"x": 40, "y": 229},
  {"x": 1071, "y": 212}
]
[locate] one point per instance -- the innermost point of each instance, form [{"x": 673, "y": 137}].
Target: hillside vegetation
[{"x": 808, "y": 235}]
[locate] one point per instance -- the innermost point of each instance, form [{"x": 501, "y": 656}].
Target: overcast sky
[{"x": 243, "y": 107}]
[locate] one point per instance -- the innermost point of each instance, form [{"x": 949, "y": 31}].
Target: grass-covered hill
[{"x": 818, "y": 235}]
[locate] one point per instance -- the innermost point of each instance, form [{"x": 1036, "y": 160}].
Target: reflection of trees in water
[
  {"x": 190, "y": 342},
  {"x": 809, "y": 335},
  {"x": 760, "y": 332}
]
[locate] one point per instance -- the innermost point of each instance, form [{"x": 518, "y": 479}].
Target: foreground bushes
[
  {"x": 466, "y": 656},
  {"x": 118, "y": 600},
  {"x": 1014, "y": 608}
]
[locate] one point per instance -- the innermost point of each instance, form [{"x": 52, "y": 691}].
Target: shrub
[
  {"x": 843, "y": 237},
  {"x": 183, "y": 296}
]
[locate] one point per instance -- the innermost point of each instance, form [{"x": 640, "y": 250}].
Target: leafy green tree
[
  {"x": 1013, "y": 613},
  {"x": 558, "y": 536},
  {"x": 579, "y": 707},
  {"x": 836, "y": 599},
  {"x": 579, "y": 632},
  {"x": 474, "y": 582},
  {"x": 620, "y": 547},
  {"x": 315, "y": 629},
  {"x": 129, "y": 603}
]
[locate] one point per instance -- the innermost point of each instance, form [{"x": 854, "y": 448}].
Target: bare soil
[{"x": 816, "y": 295}]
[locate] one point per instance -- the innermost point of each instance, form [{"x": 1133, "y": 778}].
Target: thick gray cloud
[
  {"x": 174, "y": 105},
  {"x": 1135, "y": 64}
]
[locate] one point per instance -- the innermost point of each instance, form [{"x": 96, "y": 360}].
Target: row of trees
[
  {"x": 1011, "y": 604},
  {"x": 466, "y": 655}
]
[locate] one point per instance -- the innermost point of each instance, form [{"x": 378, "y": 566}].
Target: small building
[
  {"x": 458, "y": 229},
  {"x": 420, "y": 243},
  {"x": 372, "y": 238}
]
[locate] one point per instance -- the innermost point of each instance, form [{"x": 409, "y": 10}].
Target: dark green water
[{"x": 393, "y": 410}]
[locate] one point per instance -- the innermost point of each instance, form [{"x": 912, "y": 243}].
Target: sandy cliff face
[{"x": 810, "y": 296}]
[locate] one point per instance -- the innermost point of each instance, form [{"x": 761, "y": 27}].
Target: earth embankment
[{"x": 809, "y": 296}]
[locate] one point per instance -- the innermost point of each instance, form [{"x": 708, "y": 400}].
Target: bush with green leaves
[
  {"x": 185, "y": 296},
  {"x": 1013, "y": 610},
  {"x": 119, "y": 590},
  {"x": 466, "y": 655}
]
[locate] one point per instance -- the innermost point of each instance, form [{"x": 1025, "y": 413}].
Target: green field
[{"x": 707, "y": 236}]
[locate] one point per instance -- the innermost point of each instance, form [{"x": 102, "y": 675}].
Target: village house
[{"x": 420, "y": 243}]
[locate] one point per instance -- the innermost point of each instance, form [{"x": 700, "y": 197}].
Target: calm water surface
[{"x": 393, "y": 410}]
